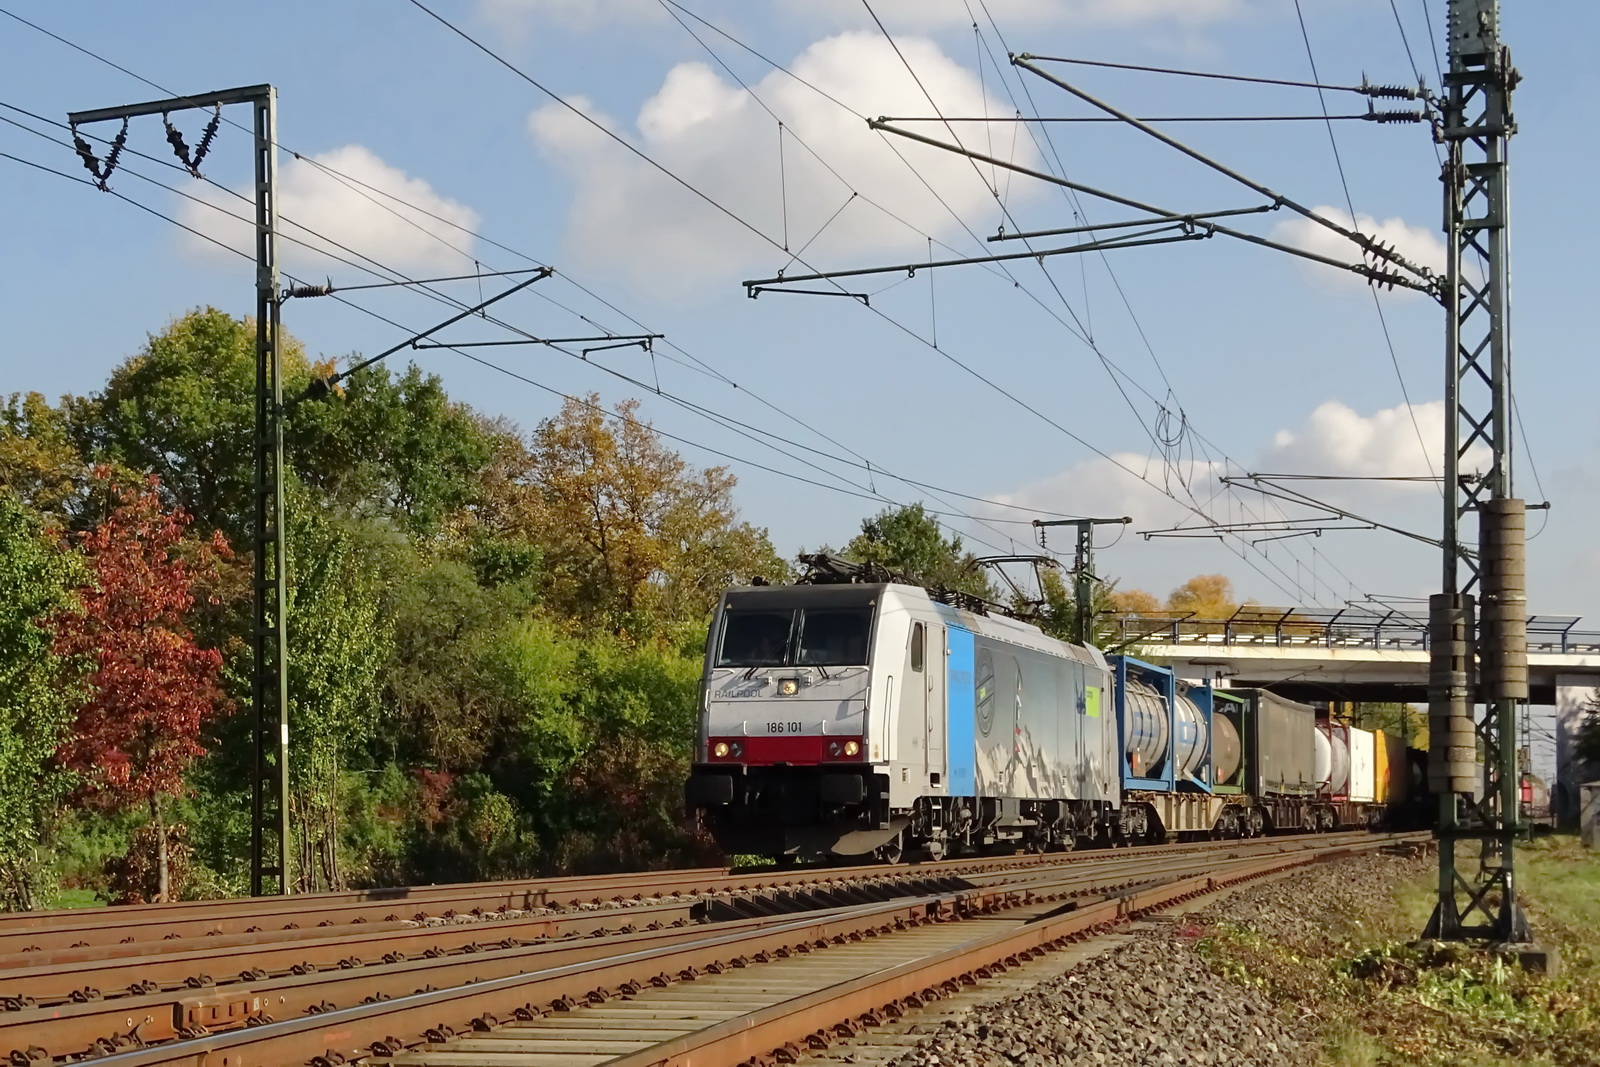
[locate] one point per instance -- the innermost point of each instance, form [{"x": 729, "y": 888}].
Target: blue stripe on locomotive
[{"x": 961, "y": 749}]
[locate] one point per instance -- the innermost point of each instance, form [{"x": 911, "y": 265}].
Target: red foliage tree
[{"x": 152, "y": 688}]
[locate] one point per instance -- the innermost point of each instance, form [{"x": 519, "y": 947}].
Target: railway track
[
  {"x": 541, "y": 984},
  {"x": 281, "y": 916}
]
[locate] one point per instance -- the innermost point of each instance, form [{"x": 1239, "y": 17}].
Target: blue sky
[{"x": 1273, "y": 365}]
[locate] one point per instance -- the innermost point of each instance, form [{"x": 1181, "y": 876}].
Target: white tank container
[
  {"x": 1363, "y": 766},
  {"x": 1332, "y": 766},
  {"x": 1192, "y": 740}
]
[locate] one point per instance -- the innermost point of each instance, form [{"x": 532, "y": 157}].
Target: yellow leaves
[
  {"x": 326, "y": 368},
  {"x": 630, "y": 531},
  {"x": 1207, "y": 596}
]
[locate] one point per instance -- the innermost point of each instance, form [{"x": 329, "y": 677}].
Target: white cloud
[
  {"x": 1337, "y": 440},
  {"x": 1333, "y": 440},
  {"x": 342, "y": 204},
  {"x": 1417, "y": 243},
  {"x": 629, "y": 218},
  {"x": 929, "y": 15}
]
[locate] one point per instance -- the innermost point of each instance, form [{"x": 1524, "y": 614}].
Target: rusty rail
[
  {"x": 572, "y": 972},
  {"x": 78, "y": 928}
]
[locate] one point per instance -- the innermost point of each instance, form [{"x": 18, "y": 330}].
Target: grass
[
  {"x": 79, "y": 898},
  {"x": 1386, "y": 1000}
]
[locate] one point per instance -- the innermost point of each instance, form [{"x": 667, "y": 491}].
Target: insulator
[
  {"x": 1395, "y": 116},
  {"x": 1394, "y": 92},
  {"x": 309, "y": 290}
]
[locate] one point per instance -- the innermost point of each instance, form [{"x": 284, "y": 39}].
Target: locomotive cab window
[
  {"x": 834, "y": 637},
  {"x": 917, "y": 653},
  {"x": 756, "y": 638}
]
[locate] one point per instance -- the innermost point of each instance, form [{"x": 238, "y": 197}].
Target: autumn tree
[
  {"x": 1134, "y": 602},
  {"x": 1206, "y": 596},
  {"x": 39, "y": 462},
  {"x": 151, "y": 689},
  {"x": 38, "y": 689},
  {"x": 909, "y": 541},
  {"x": 634, "y": 537}
]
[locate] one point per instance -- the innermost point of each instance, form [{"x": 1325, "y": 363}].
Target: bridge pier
[{"x": 1574, "y": 695}]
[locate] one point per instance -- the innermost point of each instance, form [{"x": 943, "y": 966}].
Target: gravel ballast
[{"x": 1157, "y": 1001}]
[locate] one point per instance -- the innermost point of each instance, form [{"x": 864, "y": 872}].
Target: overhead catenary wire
[
  {"x": 633, "y": 149},
  {"x": 741, "y": 428},
  {"x": 797, "y": 78},
  {"x": 928, "y": 486},
  {"x": 1230, "y": 497},
  {"x": 1349, "y": 201},
  {"x": 846, "y": 489}
]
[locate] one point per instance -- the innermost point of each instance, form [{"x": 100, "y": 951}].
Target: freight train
[{"x": 847, "y": 716}]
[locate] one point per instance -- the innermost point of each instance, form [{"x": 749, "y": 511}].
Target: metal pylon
[{"x": 1478, "y": 623}]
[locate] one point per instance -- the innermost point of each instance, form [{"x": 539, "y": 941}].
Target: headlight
[
  {"x": 738, "y": 749},
  {"x": 720, "y": 750},
  {"x": 851, "y": 748},
  {"x": 833, "y": 748},
  {"x": 788, "y": 687}
]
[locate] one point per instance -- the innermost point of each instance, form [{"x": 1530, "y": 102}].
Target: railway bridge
[{"x": 1362, "y": 654}]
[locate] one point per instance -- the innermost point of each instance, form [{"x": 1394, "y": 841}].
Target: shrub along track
[{"x": 376, "y": 988}]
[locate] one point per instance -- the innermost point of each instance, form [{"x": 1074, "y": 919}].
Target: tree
[
  {"x": 1134, "y": 602},
  {"x": 1207, "y": 596},
  {"x": 183, "y": 409},
  {"x": 339, "y": 641},
  {"x": 393, "y": 445},
  {"x": 39, "y": 462},
  {"x": 152, "y": 689},
  {"x": 38, "y": 689},
  {"x": 909, "y": 541},
  {"x": 633, "y": 538},
  {"x": 449, "y": 628}
]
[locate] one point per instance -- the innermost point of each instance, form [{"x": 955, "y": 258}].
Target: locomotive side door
[
  {"x": 957, "y": 711},
  {"x": 933, "y": 717}
]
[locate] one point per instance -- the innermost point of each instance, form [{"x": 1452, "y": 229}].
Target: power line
[
  {"x": 1344, "y": 183},
  {"x": 735, "y": 425},
  {"x": 925, "y": 340},
  {"x": 755, "y": 230}
]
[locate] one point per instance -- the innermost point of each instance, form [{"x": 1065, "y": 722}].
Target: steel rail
[
  {"x": 68, "y": 928},
  {"x": 599, "y": 968},
  {"x": 30, "y": 979},
  {"x": 815, "y": 1020},
  {"x": 90, "y": 1022}
]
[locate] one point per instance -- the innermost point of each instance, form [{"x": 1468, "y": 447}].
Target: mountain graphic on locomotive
[{"x": 854, "y": 714}]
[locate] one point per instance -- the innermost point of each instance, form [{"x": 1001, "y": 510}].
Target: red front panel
[{"x": 779, "y": 748}]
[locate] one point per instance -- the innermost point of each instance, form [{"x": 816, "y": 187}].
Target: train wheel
[{"x": 892, "y": 850}]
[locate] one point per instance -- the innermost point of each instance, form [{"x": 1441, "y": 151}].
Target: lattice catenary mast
[
  {"x": 1478, "y": 622},
  {"x": 269, "y": 677}
]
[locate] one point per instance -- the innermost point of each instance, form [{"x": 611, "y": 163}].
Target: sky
[{"x": 659, "y": 153}]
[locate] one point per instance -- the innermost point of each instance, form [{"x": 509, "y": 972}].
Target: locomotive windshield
[{"x": 818, "y": 637}]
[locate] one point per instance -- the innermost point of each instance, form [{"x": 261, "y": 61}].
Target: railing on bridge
[{"x": 1303, "y": 627}]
